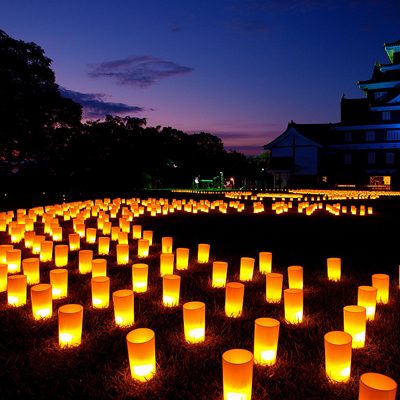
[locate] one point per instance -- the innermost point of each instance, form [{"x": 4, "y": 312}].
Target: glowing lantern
[
  {"x": 194, "y": 321},
  {"x": 28, "y": 239},
  {"x": 246, "y": 268},
  {"x": 85, "y": 261},
  {"x": 3, "y": 277},
  {"x": 166, "y": 245},
  {"x": 293, "y": 300},
  {"x": 274, "y": 287},
  {"x": 37, "y": 239},
  {"x": 30, "y": 267},
  {"x": 99, "y": 267},
  {"x": 100, "y": 291},
  {"x": 115, "y": 232},
  {"x": 266, "y": 335},
  {"x": 122, "y": 254},
  {"x": 334, "y": 268},
  {"x": 136, "y": 231},
  {"x": 104, "y": 245},
  {"x": 74, "y": 241},
  {"x": 265, "y": 262},
  {"x": 70, "y": 318},
  {"x": 80, "y": 229},
  {"x": 57, "y": 234},
  {"x": 61, "y": 255},
  {"x": 171, "y": 290},
  {"x": 91, "y": 235},
  {"x": 220, "y": 269},
  {"x": 338, "y": 355},
  {"x": 16, "y": 290},
  {"x": 166, "y": 264},
  {"x": 123, "y": 237},
  {"x": 295, "y": 275},
  {"x": 13, "y": 260},
  {"x": 143, "y": 248},
  {"x": 17, "y": 234},
  {"x": 182, "y": 258},
  {"x": 355, "y": 321},
  {"x": 203, "y": 253},
  {"x": 148, "y": 235},
  {"x": 59, "y": 283},
  {"x": 237, "y": 374},
  {"x": 142, "y": 353},
  {"x": 367, "y": 299},
  {"x": 42, "y": 303},
  {"x": 375, "y": 386},
  {"x": 123, "y": 307},
  {"x": 381, "y": 282},
  {"x": 234, "y": 295},
  {"x": 3, "y": 250},
  {"x": 46, "y": 251},
  {"x": 140, "y": 274}
]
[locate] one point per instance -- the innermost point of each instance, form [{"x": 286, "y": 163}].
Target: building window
[
  {"x": 371, "y": 158},
  {"x": 347, "y": 158},
  {"x": 380, "y": 96},
  {"x": 347, "y": 137},
  {"x": 389, "y": 158},
  {"x": 393, "y": 135},
  {"x": 386, "y": 115},
  {"x": 369, "y": 136}
]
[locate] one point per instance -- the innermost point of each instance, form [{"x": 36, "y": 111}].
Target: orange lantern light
[
  {"x": 338, "y": 355},
  {"x": 91, "y": 235},
  {"x": 31, "y": 269},
  {"x": 115, "y": 232},
  {"x": 56, "y": 233},
  {"x": 104, "y": 245},
  {"x": 122, "y": 254},
  {"x": 355, "y": 321},
  {"x": 293, "y": 300},
  {"x": 3, "y": 277},
  {"x": 171, "y": 290},
  {"x": 182, "y": 258},
  {"x": 61, "y": 255},
  {"x": 194, "y": 321},
  {"x": 70, "y": 318},
  {"x": 3, "y": 250},
  {"x": 123, "y": 307},
  {"x": 28, "y": 239},
  {"x": 220, "y": 269},
  {"x": 16, "y": 290},
  {"x": 381, "y": 282},
  {"x": 375, "y": 386},
  {"x": 13, "y": 260},
  {"x": 295, "y": 276},
  {"x": 265, "y": 262},
  {"x": 99, "y": 267},
  {"x": 140, "y": 274},
  {"x": 237, "y": 374},
  {"x": 266, "y": 336},
  {"x": 143, "y": 248},
  {"x": 203, "y": 253},
  {"x": 74, "y": 241},
  {"x": 234, "y": 295},
  {"x": 136, "y": 231},
  {"x": 166, "y": 264},
  {"x": 166, "y": 245},
  {"x": 17, "y": 233},
  {"x": 274, "y": 287},
  {"x": 46, "y": 251},
  {"x": 148, "y": 235},
  {"x": 100, "y": 291},
  {"x": 246, "y": 268},
  {"x": 123, "y": 237},
  {"x": 37, "y": 239},
  {"x": 334, "y": 268},
  {"x": 42, "y": 303},
  {"x": 141, "y": 353},
  {"x": 80, "y": 229},
  {"x": 85, "y": 261},
  {"x": 367, "y": 299},
  {"x": 59, "y": 283},
  {"x": 106, "y": 228}
]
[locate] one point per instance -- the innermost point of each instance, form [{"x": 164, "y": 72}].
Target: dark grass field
[{"x": 33, "y": 366}]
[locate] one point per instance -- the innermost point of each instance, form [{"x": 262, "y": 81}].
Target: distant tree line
[{"x": 45, "y": 146}]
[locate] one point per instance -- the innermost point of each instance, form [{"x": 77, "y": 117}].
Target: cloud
[
  {"x": 141, "y": 71},
  {"x": 94, "y": 106}
]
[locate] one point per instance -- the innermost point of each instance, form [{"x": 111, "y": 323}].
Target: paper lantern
[
  {"x": 194, "y": 321},
  {"x": 30, "y": 267},
  {"x": 115, "y": 232},
  {"x": 17, "y": 233},
  {"x": 107, "y": 228},
  {"x": 166, "y": 264},
  {"x": 355, "y": 321},
  {"x": 123, "y": 307},
  {"x": 375, "y": 386},
  {"x": 381, "y": 282},
  {"x": 99, "y": 267},
  {"x": 166, "y": 245},
  {"x": 237, "y": 374},
  {"x": 274, "y": 287},
  {"x": 234, "y": 294},
  {"x": 41, "y": 299},
  {"x": 57, "y": 234},
  {"x": 16, "y": 290},
  {"x": 3, "y": 250},
  {"x": 220, "y": 269},
  {"x": 103, "y": 245},
  {"x": 46, "y": 251},
  {"x": 59, "y": 283},
  {"x": 143, "y": 248},
  {"x": 36, "y": 243},
  {"x": 293, "y": 301},
  {"x": 91, "y": 235},
  {"x": 203, "y": 253},
  {"x": 122, "y": 254},
  {"x": 70, "y": 318},
  {"x": 28, "y": 239},
  {"x": 61, "y": 255},
  {"x": 171, "y": 290},
  {"x": 182, "y": 258},
  {"x": 3, "y": 277},
  {"x": 80, "y": 229},
  {"x": 13, "y": 260},
  {"x": 85, "y": 261},
  {"x": 100, "y": 291},
  {"x": 265, "y": 262},
  {"x": 338, "y": 355},
  {"x": 246, "y": 268},
  {"x": 367, "y": 299},
  {"x": 140, "y": 277},
  {"x": 142, "y": 353},
  {"x": 148, "y": 235},
  {"x": 334, "y": 268},
  {"x": 266, "y": 336},
  {"x": 136, "y": 231},
  {"x": 74, "y": 241},
  {"x": 295, "y": 276},
  {"x": 123, "y": 237}
]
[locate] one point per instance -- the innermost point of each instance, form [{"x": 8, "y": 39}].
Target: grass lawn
[{"x": 32, "y": 365}]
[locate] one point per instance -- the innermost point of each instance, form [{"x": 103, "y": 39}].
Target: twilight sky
[{"x": 239, "y": 69}]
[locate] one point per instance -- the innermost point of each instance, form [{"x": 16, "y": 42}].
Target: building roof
[{"x": 390, "y": 75}]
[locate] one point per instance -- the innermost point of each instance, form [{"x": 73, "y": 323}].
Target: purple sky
[{"x": 239, "y": 69}]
